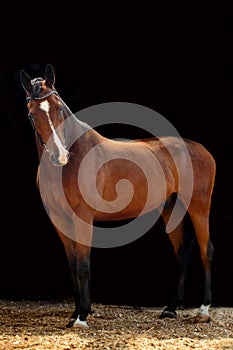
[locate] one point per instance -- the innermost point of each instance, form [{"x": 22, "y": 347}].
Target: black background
[{"x": 180, "y": 67}]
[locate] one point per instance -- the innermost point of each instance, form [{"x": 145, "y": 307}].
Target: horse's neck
[
  {"x": 77, "y": 132},
  {"x": 40, "y": 148},
  {"x": 82, "y": 132}
]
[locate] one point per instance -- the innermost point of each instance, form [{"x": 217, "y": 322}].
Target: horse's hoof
[
  {"x": 168, "y": 314},
  {"x": 202, "y": 318},
  {"x": 79, "y": 323},
  {"x": 181, "y": 307},
  {"x": 71, "y": 322}
]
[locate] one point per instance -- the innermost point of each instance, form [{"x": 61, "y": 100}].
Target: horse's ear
[
  {"x": 25, "y": 81},
  {"x": 49, "y": 75}
]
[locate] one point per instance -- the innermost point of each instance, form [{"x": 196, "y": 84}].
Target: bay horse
[{"x": 65, "y": 143}]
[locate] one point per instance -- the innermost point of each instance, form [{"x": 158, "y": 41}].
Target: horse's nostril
[{"x": 54, "y": 158}]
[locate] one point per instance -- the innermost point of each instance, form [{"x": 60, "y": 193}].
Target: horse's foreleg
[
  {"x": 83, "y": 239},
  {"x": 71, "y": 253},
  {"x": 83, "y": 277},
  {"x": 78, "y": 256}
]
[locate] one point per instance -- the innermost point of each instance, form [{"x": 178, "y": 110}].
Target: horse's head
[{"x": 47, "y": 114}]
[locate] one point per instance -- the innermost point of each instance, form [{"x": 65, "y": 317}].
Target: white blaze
[{"x": 45, "y": 106}]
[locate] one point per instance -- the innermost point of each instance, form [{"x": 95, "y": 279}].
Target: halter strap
[
  {"x": 43, "y": 144},
  {"x": 30, "y": 98}
]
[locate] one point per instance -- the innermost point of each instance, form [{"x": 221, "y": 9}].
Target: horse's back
[
  {"x": 185, "y": 158},
  {"x": 181, "y": 148}
]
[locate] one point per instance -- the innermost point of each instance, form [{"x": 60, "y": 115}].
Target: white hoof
[
  {"x": 204, "y": 310},
  {"x": 81, "y": 324},
  {"x": 203, "y": 314}
]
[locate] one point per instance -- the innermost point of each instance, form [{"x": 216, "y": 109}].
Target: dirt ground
[{"x": 41, "y": 325}]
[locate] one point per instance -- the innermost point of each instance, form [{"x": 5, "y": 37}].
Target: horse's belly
[{"x": 139, "y": 205}]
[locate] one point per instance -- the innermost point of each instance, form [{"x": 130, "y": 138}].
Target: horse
[{"x": 65, "y": 143}]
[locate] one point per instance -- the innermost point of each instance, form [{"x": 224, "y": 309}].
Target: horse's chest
[{"x": 51, "y": 189}]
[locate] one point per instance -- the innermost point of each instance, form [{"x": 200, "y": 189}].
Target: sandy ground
[{"x": 41, "y": 325}]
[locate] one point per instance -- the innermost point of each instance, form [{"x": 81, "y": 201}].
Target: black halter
[{"x": 30, "y": 116}]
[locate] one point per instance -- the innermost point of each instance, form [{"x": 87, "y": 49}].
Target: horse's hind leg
[
  {"x": 182, "y": 243},
  {"x": 201, "y": 226}
]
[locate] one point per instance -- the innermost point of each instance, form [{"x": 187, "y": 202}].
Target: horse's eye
[{"x": 61, "y": 111}]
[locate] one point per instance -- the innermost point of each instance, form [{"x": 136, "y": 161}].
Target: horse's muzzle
[{"x": 60, "y": 160}]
